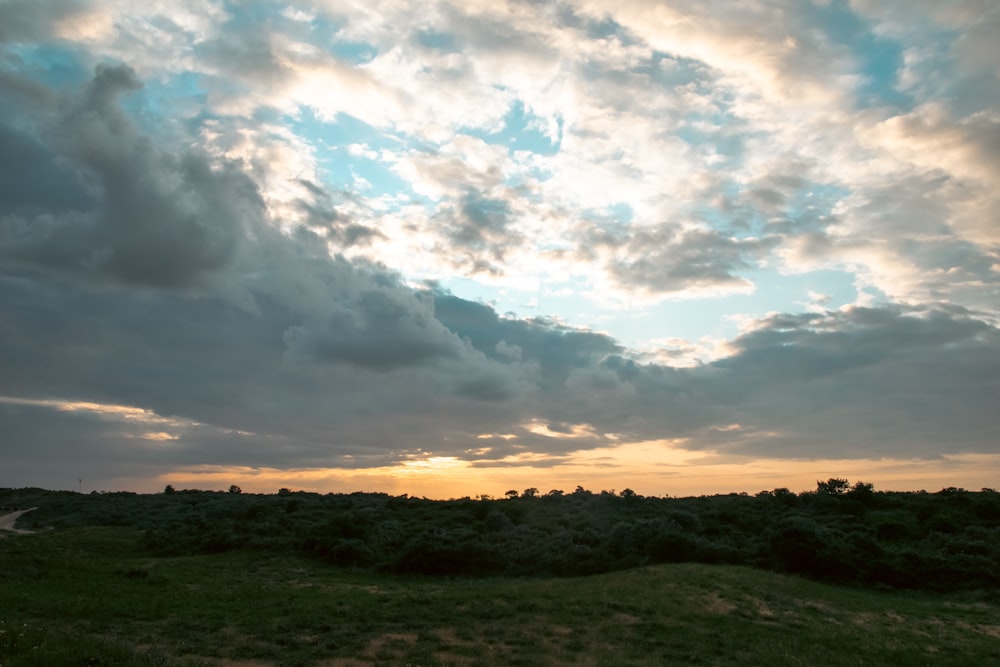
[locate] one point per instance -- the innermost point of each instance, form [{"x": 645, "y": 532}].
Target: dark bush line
[{"x": 839, "y": 533}]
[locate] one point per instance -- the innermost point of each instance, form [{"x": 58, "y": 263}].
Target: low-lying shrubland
[
  {"x": 95, "y": 595},
  {"x": 839, "y": 533}
]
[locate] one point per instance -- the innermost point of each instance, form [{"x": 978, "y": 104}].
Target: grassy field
[{"x": 89, "y": 596}]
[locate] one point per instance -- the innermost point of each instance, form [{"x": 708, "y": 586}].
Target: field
[{"x": 93, "y": 596}]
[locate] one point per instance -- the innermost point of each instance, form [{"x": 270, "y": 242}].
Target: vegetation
[
  {"x": 226, "y": 578},
  {"x": 91, "y": 596},
  {"x": 840, "y": 533}
]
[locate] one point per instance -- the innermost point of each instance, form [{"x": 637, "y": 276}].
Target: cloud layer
[{"x": 235, "y": 236}]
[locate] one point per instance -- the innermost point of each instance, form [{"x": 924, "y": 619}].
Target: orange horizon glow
[
  {"x": 668, "y": 467},
  {"x": 677, "y": 473}
]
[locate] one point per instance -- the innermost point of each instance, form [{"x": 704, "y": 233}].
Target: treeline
[{"x": 839, "y": 533}]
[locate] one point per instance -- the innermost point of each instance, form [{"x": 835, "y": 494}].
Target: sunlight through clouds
[{"x": 124, "y": 413}]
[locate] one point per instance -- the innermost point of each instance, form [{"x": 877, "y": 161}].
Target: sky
[{"x": 454, "y": 248}]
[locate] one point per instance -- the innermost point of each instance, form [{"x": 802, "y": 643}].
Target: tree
[
  {"x": 833, "y": 486},
  {"x": 530, "y": 492},
  {"x": 511, "y": 494},
  {"x": 235, "y": 489},
  {"x": 497, "y": 522},
  {"x": 785, "y": 496},
  {"x": 169, "y": 488},
  {"x": 862, "y": 491}
]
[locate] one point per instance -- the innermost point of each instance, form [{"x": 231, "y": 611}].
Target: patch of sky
[
  {"x": 473, "y": 290},
  {"x": 566, "y": 305},
  {"x": 528, "y": 172},
  {"x": 882, "y": 63},
  {"x": 685, "y": 319},
  {"x": 180, "y": 96},
  {"x": 245, "y": 13},
  {"x": 827, "y": 289},
  {"x": 439, "y": 41},
  {"x": 340, "y": 165},
  {"x": 54, "y": 65},
  {"x": 706, "y": 317},
  {"x": 717, "y": 131},
  {"x": 324, "y": 30},
  {"x": 356, "y": 53},
  {"x": 605, "y": 29},
  {"x": 380, "y": 179},
  {"x": 621, "y": 213},
  {"x": 879, "y": 58},
  {"x": 343, "y": 131},
  {"x": 522, "y": 131},
  {"x": 873, "y": 296}
]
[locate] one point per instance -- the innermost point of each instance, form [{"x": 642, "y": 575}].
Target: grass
[{"x": 89, "y": 596}]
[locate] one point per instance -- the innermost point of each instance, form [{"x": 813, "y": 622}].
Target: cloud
[
  {"x": 863, "y": 381},
  {"x": 966, "y": 151},
  {"x": 480, "y": 228},
  {"x": 668, "y": 260},
  {"x": 158, "y": 218},
  {"x": 274, "y": 312},
  {"x": 24, "y": 20},
  {"x": 380, "y": 329},
  {"x": 317, "y": 211},
  {"x": 32, "y": 180},
  {"x": 892, "y": 380},
  {"x": 781, "y": 49},
  {"x": 209, "y": 236}
]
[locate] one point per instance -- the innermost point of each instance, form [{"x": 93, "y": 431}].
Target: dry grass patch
[{"x": 715, "y": 604}]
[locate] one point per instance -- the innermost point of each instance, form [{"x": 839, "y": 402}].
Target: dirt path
[{"x": 7, "y": 521}]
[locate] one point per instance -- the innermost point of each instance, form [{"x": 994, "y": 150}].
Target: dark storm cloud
[
  {"x": 43, "y": 446},
  {"x": 32, "y": 180},
  {"x": 381, "y": 330},
  {"x": 865, "y": 381},
  {"x": 207, "y": 361},
  {"x": 557, "y": 350},
  {"x": 311, "y": 357},
  {"x": 159, "y": 217},
  {"x": 167, "y": 220},
  {"x": 889, "y": 381}
]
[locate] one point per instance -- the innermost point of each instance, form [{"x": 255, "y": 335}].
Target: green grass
[{"x": 90, "y": 596}]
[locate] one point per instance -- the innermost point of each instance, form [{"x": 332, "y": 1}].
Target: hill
[{"x": 302, "y": 579}]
